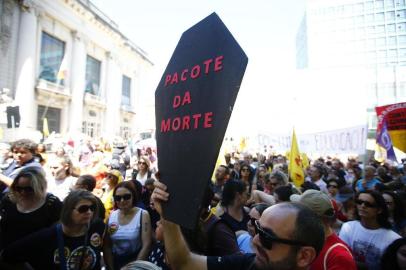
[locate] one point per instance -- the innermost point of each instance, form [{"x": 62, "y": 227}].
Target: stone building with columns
[{"x": 66, "y": 61}]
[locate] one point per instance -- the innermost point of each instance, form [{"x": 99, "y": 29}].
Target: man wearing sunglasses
[{"x": 288, "y": 236}]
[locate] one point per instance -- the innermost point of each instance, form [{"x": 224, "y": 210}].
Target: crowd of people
[{"x": 98, "y": 205}]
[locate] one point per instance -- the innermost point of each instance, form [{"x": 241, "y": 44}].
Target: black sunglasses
[
  {"x": 124, "y": 197},
  {"x": 24, "y": 189},
  {"x": 84, "y": 208},
  {"x": 267, "y": 237},
  {"x": 367, "y": 204},
  {"x": 334, "y": 186},
  {"x": 142, "y": 163}
]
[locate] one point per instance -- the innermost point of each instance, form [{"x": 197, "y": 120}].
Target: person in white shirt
[
  {"x": 316, "y": 176},
  {"x": 61, "y": 181},
  {"x": 371, "y": 234}
]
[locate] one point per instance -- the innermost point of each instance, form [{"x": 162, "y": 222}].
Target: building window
[
  {"x": 390, "y": 16},
  {"x": 380, "y": 29},
  {"x": 389, "y": 3},
  {"x": 392, "y": 55},
  {"x": 378, "y": 4},
  {"x": 92, "y": 76},
  {"x": 53, "y": 116},
  {"x": 370, "y": 30},
  {"x": 391, "y": 41},
  {"x": 369, "y": 5},
  {"x": 391, "y": 28},
  {"x": 125, "y": 132},
  {"x": 401, "y": 27},
  {"x": 400, "y": 2},
  {"x": 91, "y": 128},
  {"x": 401, "y": 14},
  {"x": 380, "y": 42},
  {"x": 402, "y": 40},
  {"x": 369, "y": 18},
  {"x": 380, "y": 17},
  {"x": 52, "y": 53},
  {"x": 402, "y": 53},
  {"x": 126, "y": 91}
]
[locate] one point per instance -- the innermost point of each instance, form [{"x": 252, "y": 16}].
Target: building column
[
  {"x": 25, "y": 68},
  {"x": 78, "y": 77},
  {"x": 113, "y": 95}
]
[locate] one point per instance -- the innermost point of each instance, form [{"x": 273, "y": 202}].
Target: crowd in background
[{"x": 88, "y": 206}]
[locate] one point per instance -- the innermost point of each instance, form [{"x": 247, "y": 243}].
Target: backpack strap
[
  {"x": 142, "y": 212},
  {"x": 61, "y": 248},
  {"x": 330, "y": 249}
]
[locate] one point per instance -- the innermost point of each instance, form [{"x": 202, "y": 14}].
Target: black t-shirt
[
  {"x": 231, "y": 262},
  {"x": 234, "y": 224},
  {"x": 40, "y": 249},
  {"x": 15, "y": 225},
  {"x": 221, "y": 239}
]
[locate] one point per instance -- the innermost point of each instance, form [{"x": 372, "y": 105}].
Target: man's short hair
[{"x": 308, "y": 226}]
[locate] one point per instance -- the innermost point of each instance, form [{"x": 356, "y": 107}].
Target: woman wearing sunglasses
[
  {"x": 74, "y": 243},
  {"x": 371, "y": 233},
  {"x": 27, "y": 208},
  {"x": 142, "y": 173},
  {"x": 129, "y": 227}
]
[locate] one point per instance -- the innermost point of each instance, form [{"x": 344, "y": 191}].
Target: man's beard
[{"x": 288, "y": 263}]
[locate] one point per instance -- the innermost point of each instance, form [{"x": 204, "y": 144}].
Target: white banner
[{"x": 342, "y": 141}]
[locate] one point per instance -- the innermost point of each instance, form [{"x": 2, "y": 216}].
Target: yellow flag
[
  {"x": 45, "y": 129},
  {"x": 243, "y": 144},
  {"x": 305, "y": 160},
  {"x": 295, "y": 163}
]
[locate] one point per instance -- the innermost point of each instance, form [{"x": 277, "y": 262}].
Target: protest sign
[
  {"x": 193, "y": 104},
  {"x": 394, "y": 116}
]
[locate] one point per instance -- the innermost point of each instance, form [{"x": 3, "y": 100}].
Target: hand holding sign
[{"x": 193, "y": 104}]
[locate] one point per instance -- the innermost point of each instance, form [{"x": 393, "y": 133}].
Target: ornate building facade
[{"x": 66, "y": 61}]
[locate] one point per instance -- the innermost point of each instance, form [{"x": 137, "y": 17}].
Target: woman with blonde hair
[
  {"x": 27, "y": 207},
  {"x": 74, "y": 243}
]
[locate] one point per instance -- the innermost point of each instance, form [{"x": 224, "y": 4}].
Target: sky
[{"x": 270, "y": 100}]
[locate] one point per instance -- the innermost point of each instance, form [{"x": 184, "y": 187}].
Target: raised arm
[{"x": 177, "y": 251}]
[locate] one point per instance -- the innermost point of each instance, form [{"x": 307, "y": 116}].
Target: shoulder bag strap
[
  {"x": 142, "y": 212},
  {"x": 61, "y": 249},
  {"x": 329, "y": 250}
]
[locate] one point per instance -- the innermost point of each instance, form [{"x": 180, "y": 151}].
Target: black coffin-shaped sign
[{"x": 193, "y": 104}]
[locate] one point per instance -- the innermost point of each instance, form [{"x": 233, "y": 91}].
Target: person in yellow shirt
[{"x": 113, "y": 177}]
